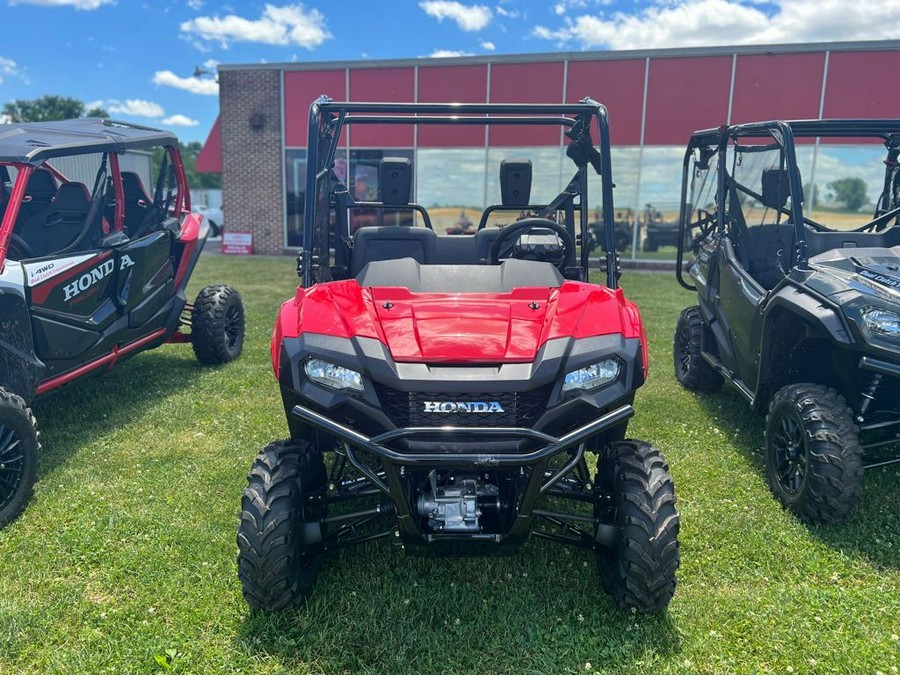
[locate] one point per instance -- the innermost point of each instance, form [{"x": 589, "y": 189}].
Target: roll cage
[
  {"x": 29, "y": 147},
  {"x": 706, "y": 144},
  {"x": 323, "y": 232}
]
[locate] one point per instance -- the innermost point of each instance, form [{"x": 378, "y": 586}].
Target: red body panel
[{"x": 466, "y": 328}]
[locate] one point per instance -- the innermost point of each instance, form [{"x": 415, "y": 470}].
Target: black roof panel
[{"x": 35, "y": 142}]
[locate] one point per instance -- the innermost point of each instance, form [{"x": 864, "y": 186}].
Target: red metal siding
[
  {"x": 526, "y": 83},
  {"x": 619, "y": 85},
  {"x": 777, "y": 86},
  {"x": 462, "y": 84},
  {"x": 382, "y": 84},
  {"x": 301, "y": 88},
  {"x": 685, "y": 94},
  {"x": 861, "y": 84}
]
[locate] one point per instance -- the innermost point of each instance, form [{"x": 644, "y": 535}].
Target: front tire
[
  {"x": 19, "y": 448},
  {"x": 638, "y": 569},
  {"x": 279, "y": 535},
  {"x": 217, "y": 325},
  {"x": 813, "y": 457},
  {"x": 691, "y": 369}
]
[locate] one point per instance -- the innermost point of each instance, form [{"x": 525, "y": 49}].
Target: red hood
[
  {"x": 460, "y": 328},
  {"x": 431, "y": 327}
]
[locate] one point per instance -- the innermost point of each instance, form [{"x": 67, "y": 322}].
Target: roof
[
  {"x": 837, "y": 128},
  {"x": 790, "y": 48},
  {"x": 35, "y": 142}
]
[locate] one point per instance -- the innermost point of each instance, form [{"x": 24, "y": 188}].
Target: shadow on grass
[
  {"x": 870, "y": 532},
  {"x": 540, "y": 610},
  {"x": 85, "y": 410}
]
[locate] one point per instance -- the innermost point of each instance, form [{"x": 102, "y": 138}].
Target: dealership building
[{"x": 655, "y": 99}]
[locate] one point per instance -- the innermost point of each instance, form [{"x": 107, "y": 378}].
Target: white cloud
[
  {"x": 468, "y": 18},
  {"x": 90, "y": 105},
  {"x": 137, "y": 108},
  {"x": 210, "y": 64},
  {"x": 8, "y": 68},
  {"x": 447, "y": 53},
  {"x": 195, "y": 4},
  {"x": 693, "y": 23},
  {"x": 508, "y": 13},
  {"x": 86, "y": 5},
  {"x": 195, "y": 85},
  {"x": 489, "y": 46},
  {"x": 180, "y": 120},
  {"x": 284, "y": 25}
]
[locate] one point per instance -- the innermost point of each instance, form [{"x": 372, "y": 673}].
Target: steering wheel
[
  {"x": 509, "y": 236},
  {"x": 21, "y": 247}
]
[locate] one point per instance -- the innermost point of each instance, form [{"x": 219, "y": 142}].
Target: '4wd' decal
[
  {"x": 94, "y": 275},
  {"x": 35, "y": 273}
]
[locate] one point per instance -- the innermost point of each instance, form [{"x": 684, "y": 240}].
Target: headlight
[
  {"x": 880, "y": 321},
  {"x": 593, "y": 376},
  {"x": 332, "y": 375}
]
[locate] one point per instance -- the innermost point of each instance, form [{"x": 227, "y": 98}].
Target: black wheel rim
[
  {"x": 682, "y": 352},
  {"x": 12, "y": 464},
  {"x": 789, "y": 455},
  {"x": 233, "y": 321}
]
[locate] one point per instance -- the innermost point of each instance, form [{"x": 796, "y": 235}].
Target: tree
[
  {"x": 849, "y": 191},
  {"x": 189, "y": 152},
  {"x": 47, "y": 108}
]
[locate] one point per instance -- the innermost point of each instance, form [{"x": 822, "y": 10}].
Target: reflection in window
[
  {"x": 295, "y": 190},
  {"x": 364, "y": 187},
  {"x": 451, "y": 185}
]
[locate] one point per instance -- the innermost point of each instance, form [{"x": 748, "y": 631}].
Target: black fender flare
[{"x": 813, "y": 315}]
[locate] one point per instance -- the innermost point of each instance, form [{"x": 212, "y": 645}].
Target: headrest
[
  {"x": 395, "y": 180},
  {"x": 41, "y": 186},
  {"x": 133, "y": 186},
  {"x": 775, "y": 188},
  {"x": 72, "y": 195},
  {"x": 515, "y": 182}
]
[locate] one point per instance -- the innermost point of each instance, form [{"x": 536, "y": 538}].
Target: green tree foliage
[
  {"x": 50, "y": 107},
  {"x": 189, "y": 152},
  {"x": 849, "y": 191}
]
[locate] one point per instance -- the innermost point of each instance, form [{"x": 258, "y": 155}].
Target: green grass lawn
[{"x": 125, "y": 559}]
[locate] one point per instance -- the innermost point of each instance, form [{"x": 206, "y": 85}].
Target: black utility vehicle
[
  {"x": 89, "y": 277},
  {"x": 455, "y": 384},
  {"x": 799, "y": 299}
]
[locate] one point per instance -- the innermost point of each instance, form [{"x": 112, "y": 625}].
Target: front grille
[{"x": 407, "y": 409}]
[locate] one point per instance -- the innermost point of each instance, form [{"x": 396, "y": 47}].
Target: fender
[
  {"x": 20, "y": 369},
  {"x": 818, "y": 317}
]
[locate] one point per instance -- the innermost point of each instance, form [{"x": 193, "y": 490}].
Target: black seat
[
  {"x": 138, "y": 204},
  {"x": 60, "y": 224},
  {"x": 39, "y": 194},
  {"x": 388, "y": 242}
]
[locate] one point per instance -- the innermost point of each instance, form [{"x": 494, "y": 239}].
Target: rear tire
[
  {"x": 20, "y": 444},
  {"x": 691, "y": 369},
  {"x": 279, "y": 538},
  {"x": 638, "y": 571},
  {"x": 217, "y": 325},
  {"x": 813, "y": 457}
]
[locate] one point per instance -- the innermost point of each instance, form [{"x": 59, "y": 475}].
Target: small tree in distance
[
  {"x": 849, "y": 191},
  {"x": 47, "y": 108}
]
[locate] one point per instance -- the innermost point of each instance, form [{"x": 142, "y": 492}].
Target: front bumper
[{"x": 534, "y": 465}]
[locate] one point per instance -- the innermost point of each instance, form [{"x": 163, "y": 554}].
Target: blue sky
[{"x": 136, "y": 58}]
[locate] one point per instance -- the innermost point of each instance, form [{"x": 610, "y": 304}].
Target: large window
[{"x": 455, "y": 185}]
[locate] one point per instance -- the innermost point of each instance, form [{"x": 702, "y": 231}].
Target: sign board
[{"x": 237, "y": 243}]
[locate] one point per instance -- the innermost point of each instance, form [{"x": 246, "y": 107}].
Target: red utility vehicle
[{"x": 457, "y": 383}]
